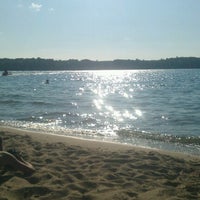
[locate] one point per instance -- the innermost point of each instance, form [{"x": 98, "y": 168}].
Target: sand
[{"x": 69, "y": 168}]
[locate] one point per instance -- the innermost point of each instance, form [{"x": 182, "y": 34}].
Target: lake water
[{"x": 149, "y": 108}]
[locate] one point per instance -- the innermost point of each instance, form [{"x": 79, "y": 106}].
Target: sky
[{"x": 99, "y": 29}]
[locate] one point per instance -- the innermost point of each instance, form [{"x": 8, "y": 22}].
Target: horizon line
[{"x": 96, "y": 60}]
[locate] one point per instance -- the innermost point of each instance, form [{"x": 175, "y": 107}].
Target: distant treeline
[{"x": 72, "y": 64}]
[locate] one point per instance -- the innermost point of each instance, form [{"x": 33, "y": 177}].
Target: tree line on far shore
[{"x": 19, "y": 64}]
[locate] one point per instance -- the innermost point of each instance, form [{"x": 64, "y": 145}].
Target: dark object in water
[{"x": 6, "y": 73}]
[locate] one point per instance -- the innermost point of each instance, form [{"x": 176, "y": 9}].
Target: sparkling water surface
[{"x": 149, "y": 108}]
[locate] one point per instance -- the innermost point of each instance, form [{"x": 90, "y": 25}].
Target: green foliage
[{"x": 72, "y": 64}]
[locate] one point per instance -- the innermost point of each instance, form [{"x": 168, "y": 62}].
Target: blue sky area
[{"x": 99, "y": 29}]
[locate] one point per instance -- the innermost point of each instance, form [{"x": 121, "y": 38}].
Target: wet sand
[{"x": 69, "y": 168}]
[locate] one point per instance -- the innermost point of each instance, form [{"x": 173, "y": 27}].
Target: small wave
[
  {"x": 40, "y": 103},
  {"x": 10, "y": 101},
  {"x": 185, "y": 140},
  {"x": 53, "y": 127},
  {"x": 188, "y": 145}
]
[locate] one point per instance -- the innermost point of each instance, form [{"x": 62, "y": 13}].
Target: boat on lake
[{"x": 6, "y": 73}]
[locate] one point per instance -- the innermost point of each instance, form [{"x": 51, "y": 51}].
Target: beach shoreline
[{"x": 72, "y": 168}]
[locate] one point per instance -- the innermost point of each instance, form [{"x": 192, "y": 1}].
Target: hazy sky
[{"x": 99, "y": 29}]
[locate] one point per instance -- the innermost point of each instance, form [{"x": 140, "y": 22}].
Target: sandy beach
[{"x": 69, "y": 168}]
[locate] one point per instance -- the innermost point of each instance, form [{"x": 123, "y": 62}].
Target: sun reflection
[
  {"x": 107, "y": 111},
  {"x": 113, "y": 113},
  {"x": 98, "y": 103},
  {"x": 81, "y": 89},
  {"x": 113, "y": 87},
  {"x": 125, "y": 95},
  {"x": 117, "y": 116},
  {"x": 98, "y": 91},
  {"x": 109, "y": 108},
  {"x": 138, "y": 112},
  {"x": 128, "y": 115},
  {"x": 109, "y": 73}
]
